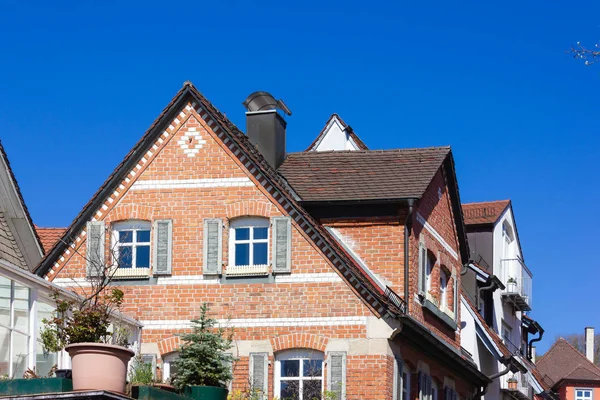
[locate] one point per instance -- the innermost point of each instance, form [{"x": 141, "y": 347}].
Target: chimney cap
[{"x": 261, "y": 101}]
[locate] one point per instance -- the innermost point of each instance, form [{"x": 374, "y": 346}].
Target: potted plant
[
  {"x": 82, "y": 327},
  {"x": 204, "y": 367},
  {"x": 511, "y": 285},
  {"x": 512, "y": 383}
]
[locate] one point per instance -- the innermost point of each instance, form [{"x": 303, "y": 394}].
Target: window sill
[
  {"x": 445, "y": 318},
  {"x": 247, "y": 270},
  {"x": 131, "y": 273}
]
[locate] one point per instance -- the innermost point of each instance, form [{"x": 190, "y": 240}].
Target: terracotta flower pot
[
  {"x": 99, "y": 366},
  {"x": 512, "y": 385}
]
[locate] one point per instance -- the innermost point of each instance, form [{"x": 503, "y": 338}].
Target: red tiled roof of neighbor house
[
  {"x": 361, "y": 145},
  {"x": 565, "y": 362},
  {"x": 485, "y": 212},
  {"x": 49, "y": 236},
  {"x": 362, "y": 174}
]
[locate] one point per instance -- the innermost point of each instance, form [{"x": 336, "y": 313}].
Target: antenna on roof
[{"x": 261, "y": 101}]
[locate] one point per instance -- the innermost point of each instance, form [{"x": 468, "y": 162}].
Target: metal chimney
[
  {"x": 265, "y": 127},
  {"x": 589, "y": 343}
]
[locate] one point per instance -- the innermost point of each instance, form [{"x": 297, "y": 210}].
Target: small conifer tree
[{"x": 203, "y": 360}]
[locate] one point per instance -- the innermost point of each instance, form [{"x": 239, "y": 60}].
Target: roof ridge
[
  {"x": 486, "y": 202},
  {"x": 369, "y": 151},
  {"x": 582, "y": 356}
]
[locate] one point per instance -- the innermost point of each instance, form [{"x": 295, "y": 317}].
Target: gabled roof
[
  {"x": 565, "y": 362},
  {"x": 16, "y": 215},
  {"x": 379, "y": 300},
  {"x": 347, "y": 128},
  {"x": 49, "y": 236},
  {"x": 485, "y": 212},
  {"x": 362, "y": 175}
]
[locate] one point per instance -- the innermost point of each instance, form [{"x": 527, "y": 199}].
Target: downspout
[
  {"x": 483, "y": 289},
  {"x": 407, "y": 229},
  {"x": 483, "y": 389},
  {"x": 532, "y": 341}
]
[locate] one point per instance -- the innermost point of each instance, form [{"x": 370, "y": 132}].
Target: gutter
[
  {"x": 494, "y": 283},
  {"x": 407, "y": 230}
]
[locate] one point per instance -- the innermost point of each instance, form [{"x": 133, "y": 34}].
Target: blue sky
[{"x": 81, "y": 81}]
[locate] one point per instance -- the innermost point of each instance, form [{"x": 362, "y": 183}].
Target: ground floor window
[
  {"x": 583, "y": 394},
  {"x": 299, "y": 375},
  {"x": 405, "y": 383}
]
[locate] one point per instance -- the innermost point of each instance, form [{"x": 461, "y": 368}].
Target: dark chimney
[{"x": 265, "y": 127}]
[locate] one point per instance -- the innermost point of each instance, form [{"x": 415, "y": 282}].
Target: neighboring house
[
  {"x": 19, "y": 244},
  {"x": 25, "y": 299},
  {"x": 337, "y": 135},
  {"x": 496, "y": 294},
  {"x": 49, "y": 236},
  {"x": 338, "y": 270},
  {"x": 571, "y": 374}
]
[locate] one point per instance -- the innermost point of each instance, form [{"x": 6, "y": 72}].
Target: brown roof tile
[
  {"x": 362, "y": 174},
  {"x": 486, "y": 212},
  {"x": 49, "y": 236},
  {"x": 361, "y": 145},
  {"x": 563, "y": 361}
]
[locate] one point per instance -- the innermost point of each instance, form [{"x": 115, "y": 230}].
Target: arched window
[
  {"x": 131, "y": 247},
  {"x": 299, "y": 374},
  {"x": 248, "y": 246}
]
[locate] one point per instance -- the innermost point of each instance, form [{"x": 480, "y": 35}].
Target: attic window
[
  {"x": 249, "y": 246},
  {"x": 132, "y": 248}
]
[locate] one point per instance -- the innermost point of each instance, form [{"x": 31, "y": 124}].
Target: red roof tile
[
  {"x": 486, "y": 212},
  {"x": 362, "y": 174},
  {"x": 563, "y": 361},
  {"x": 49, "y": 236}
]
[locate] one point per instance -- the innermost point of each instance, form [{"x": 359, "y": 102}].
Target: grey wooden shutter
[
  {"x": 259, "y": 374},
  {"x": 95, "y": 248},
  {"x": 398, "y": 379},
  {"x": 281, "y": 244},
  {"x": 422, "y": 268},
  {"x": 213, "y": 246},
  {"x": 336, "y": 377},
  {"x": 163, "y": 245}
]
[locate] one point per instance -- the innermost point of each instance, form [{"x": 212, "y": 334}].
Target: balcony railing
[
  {"x": 233, "y": 270},
  {"x": 521, "y": 389},
  {"x": 517, "y": 279}
]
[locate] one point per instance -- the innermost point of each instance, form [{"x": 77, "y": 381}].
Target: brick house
[
  {"x": 337, "y": 269},
  {"x": 570, "y": 374}
]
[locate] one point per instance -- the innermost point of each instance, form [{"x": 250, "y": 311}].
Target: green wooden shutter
[
  {"x": 398, "y": 379},
  {"x": 163, "y": 244},
  {"x": 95, "y": 248},
  {"x": 336, "y": 377},
  {"x": 281, "y": 244},
  {"x": 259, "y": 374},
  {"x": 213, "y": 246}
]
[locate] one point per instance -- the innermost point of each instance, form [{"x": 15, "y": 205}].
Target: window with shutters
[
  {"x": 131, "y": 244},
  {"x": 248, "y": 246},
  {"x": 401, "y": 381},
  {"x": 299, "y": 374}
]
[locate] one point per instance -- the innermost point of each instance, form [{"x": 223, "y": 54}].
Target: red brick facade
[{"x": 313, "y": 307}]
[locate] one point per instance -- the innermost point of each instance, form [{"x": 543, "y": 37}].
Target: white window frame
[
  {"x": 133, "y": 226},
  {"x": 167, "y": 360},
  {"x": 506, "y": 332},
  {"x": 590, "y": 390},
  {"x": 251, "y": 268},
  {"x": 443, "y": 290},
  {"x": 429, "y": 266},
  {"x": 298, "y": 354},
  {"x": 405, "y": 378}
]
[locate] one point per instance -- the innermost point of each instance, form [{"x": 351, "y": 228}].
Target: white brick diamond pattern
[{"x": 191, "y": 142}]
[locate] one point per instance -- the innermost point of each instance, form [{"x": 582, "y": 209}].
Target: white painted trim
[
  {"x": 437, "y": 236},
  {"x": 476, "y": 320},
  {"x": 261, "y": 322},
  {"x": 191, "y": 183},
  {"x": 338, "y": 236},
  {"x": 308, "y": 278}
]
